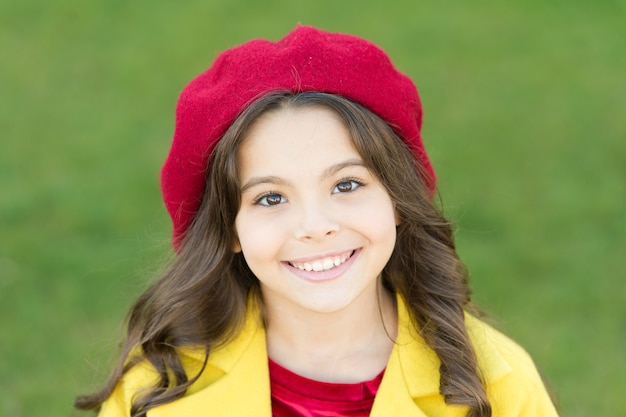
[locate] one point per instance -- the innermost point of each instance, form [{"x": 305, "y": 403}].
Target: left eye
[
  {"x": 270, "y": 199},
  {"x": 346, "y": 186}
]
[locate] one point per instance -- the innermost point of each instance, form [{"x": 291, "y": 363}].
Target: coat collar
[
  {"x": 419, "y": 364},
  {"x": 236, "y": 378},
  {"x": 235, "y": 381}
]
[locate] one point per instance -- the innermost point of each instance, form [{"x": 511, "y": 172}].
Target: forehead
[
  {"x": 305, "y": 138},
  {"x": 288, "y": 129},
  {"x": 280, "y": 120}
]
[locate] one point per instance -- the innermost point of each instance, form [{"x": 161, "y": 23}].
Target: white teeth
[
  {"x": 328, "y": 263},
  {"x": 322, "y": 264}
]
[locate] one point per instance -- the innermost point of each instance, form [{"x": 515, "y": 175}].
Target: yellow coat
[{"x": 235, "y": 382}]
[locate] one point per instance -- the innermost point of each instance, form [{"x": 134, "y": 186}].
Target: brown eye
[
  {"x": 271, "y": 199},
  {"x": 346, "y": 186}
]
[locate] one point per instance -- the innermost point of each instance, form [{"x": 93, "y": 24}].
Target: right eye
[{"x": 270, "y": 199}]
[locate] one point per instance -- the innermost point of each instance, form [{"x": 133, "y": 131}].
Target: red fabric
[
  {"x": 296, "y": 396},
  {"x": 307, "y": 59}
]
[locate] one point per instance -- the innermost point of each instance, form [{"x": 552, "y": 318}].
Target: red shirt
[{"x": 297, "y": 396}]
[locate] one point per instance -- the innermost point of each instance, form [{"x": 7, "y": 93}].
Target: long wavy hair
[{"x": 201, "y": 299}]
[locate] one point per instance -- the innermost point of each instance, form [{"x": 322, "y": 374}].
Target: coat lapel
[
  {"x": 235, "y": 382},
  {"x": 236, "y": 379},
  {"x": 409, "y": 373},
  {"x": 393, "y": 397},
  {"x": 410, "y": 387}
]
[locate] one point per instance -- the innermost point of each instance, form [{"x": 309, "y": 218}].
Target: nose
[{"x": 316, "y": 222}]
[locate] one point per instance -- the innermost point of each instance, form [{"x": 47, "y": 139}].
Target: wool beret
[{"x": 306, "y": 59}]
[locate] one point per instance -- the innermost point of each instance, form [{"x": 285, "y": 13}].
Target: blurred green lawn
[{"x": 525, "y": 122}]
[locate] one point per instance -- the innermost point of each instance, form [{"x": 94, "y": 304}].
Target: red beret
[{"x": 307, "y": 59}]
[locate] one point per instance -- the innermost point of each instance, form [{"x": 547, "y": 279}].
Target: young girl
[{"x": 314, "y": 276}]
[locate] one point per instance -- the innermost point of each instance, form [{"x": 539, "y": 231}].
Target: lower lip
[{"x": 327, "y": 275}]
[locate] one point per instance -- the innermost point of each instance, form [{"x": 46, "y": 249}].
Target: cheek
[
  {"x": 258, "y": 239},
  {"x": 384, "y": 233},
  {"x": 384, "y": 230},
  {"x": 379, "y": 213},
  {"x": 377, "y": 222}
]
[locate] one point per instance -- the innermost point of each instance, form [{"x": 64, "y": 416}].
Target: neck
[{"x": 350, "y": 345}]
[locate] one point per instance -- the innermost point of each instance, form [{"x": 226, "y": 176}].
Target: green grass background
[{"x": 525, "y": 109}]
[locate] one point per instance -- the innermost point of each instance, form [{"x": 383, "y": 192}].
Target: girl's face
[{"x": 315, "y": 226}]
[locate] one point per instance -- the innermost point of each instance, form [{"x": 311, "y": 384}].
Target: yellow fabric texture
[{"x": 236, "y": 383}]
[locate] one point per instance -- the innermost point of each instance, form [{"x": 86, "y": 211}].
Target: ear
[{"x": 236, "y": 246}]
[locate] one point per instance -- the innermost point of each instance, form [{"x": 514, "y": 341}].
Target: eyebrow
[
  {"x": 262, "y": 180},
  {"x": 331, "y": 170}
]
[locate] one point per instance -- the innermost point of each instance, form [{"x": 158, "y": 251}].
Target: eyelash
[
  {"x": 264, "y": 196},
  {"x": 260, "y": 199},
  {"x": 356, "y": 181}
]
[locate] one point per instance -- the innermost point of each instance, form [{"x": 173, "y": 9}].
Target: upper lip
[{"x": 324, "y": 256}]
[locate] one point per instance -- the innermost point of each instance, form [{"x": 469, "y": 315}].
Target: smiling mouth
[{"x": 322, "y": 264}]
